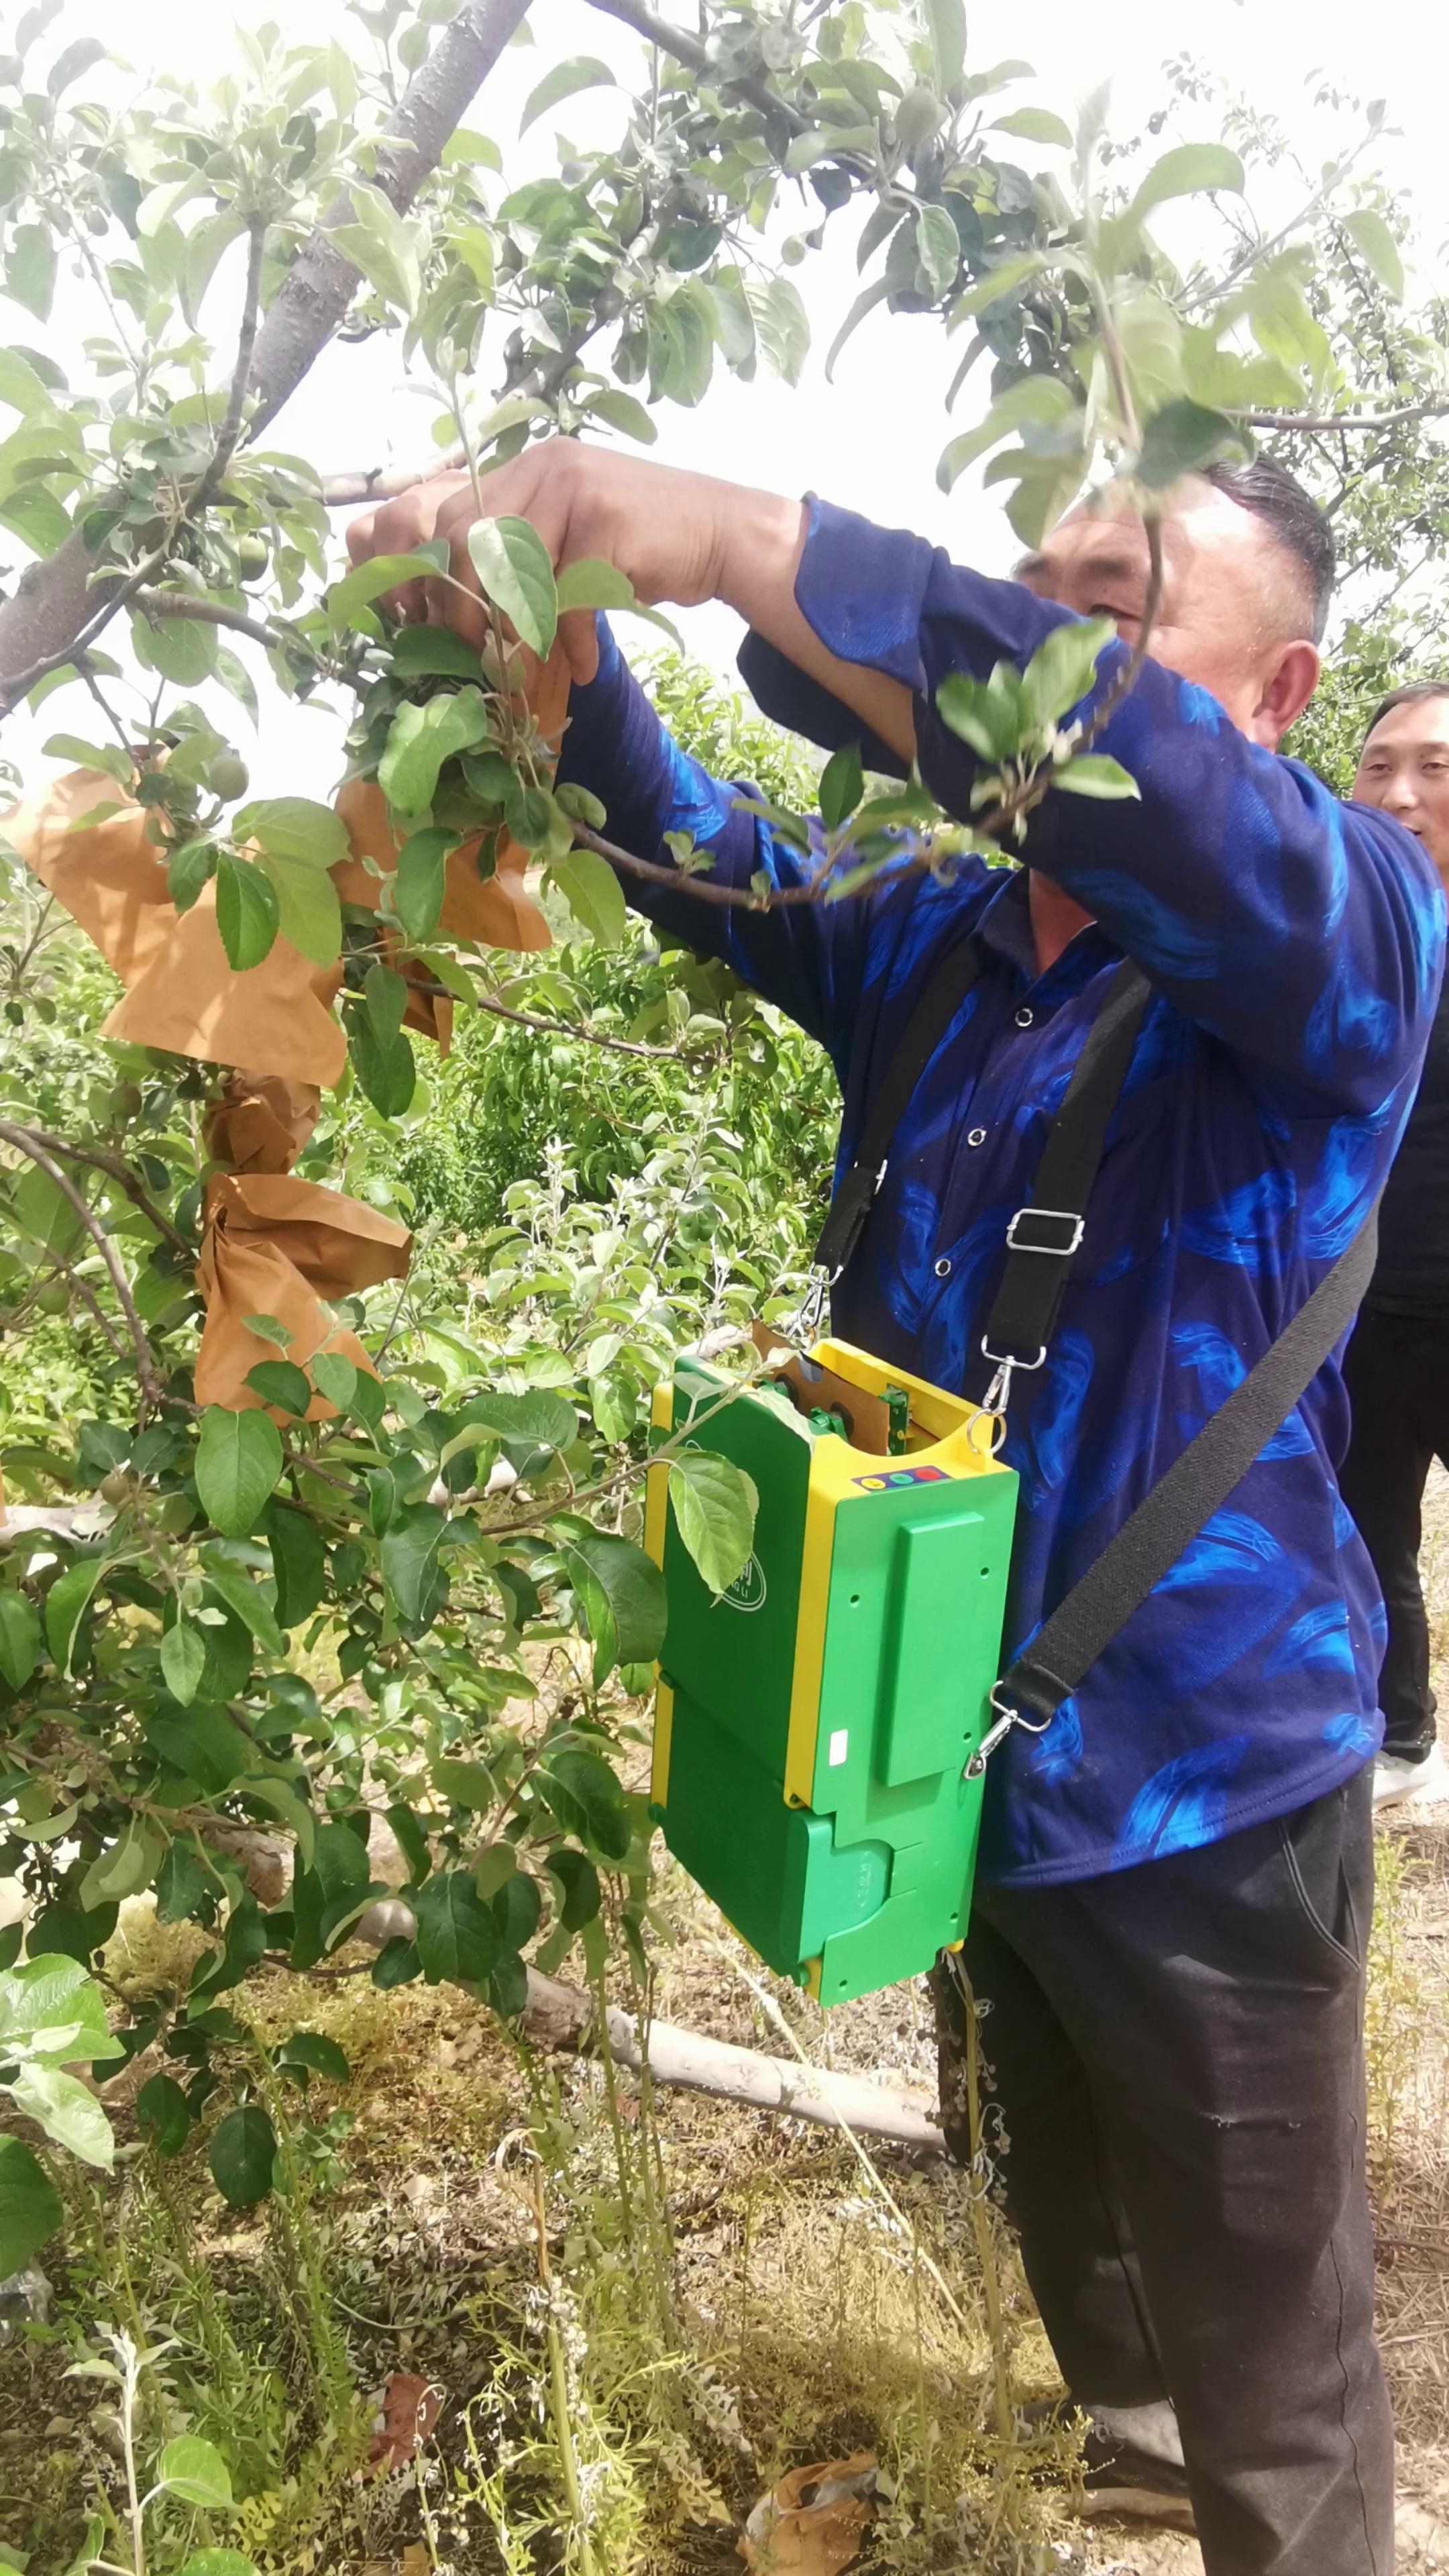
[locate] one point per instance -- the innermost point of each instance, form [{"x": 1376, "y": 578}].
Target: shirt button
[
  {"x": 977, "y": 1136},
  {"x": 943, "y": 1268},
  {"x": 1024, "y": 1017}
]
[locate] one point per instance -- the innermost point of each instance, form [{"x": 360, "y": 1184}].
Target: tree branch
[
  {"x": 204, "y": 612},
  {"x": 121, "y": 1172},
  {"x": 688, "y": 49},
  {"x": 1437, "y": 409},
  {"x": 26, "y": 1142},
  {"x": 382, "y": 483},
  {"x": 553, "y": 1028}
]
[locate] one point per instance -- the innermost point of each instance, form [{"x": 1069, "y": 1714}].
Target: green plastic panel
[{"x": 874, "y": 1876}]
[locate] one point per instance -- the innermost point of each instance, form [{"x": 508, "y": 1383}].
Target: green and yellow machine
[{"x": 816, "y": 1724}]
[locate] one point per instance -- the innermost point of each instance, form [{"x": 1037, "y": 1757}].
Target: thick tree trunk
[{"x": 53, "y": 599}]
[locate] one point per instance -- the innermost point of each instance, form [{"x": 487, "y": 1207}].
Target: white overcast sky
[{"x": 872, "y": 441}]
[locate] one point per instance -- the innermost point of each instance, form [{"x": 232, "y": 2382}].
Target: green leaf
[
  {"x": 309, "y": 913},
  {"x": 282, "y": 1383},
  {"x": 421, "y": 879},
  {"x": 189, "y": 871},
  {"x": 624, "y": 412},
  {"x": 22, "y": 389},
  {"x": 367, "y": 582},
  {"x": 183, "y": 649},
  {"x": 248, "y": 913},
  {"x": 162, "y": 2108},
  {"x": 66, "y": 1604},
  {"x": 946, "y": 20},
  {"x": 1370, "y": 234},
  {"x": 30, "y": 269},
  {"x": 51, "y": 1993},
  {"x": 1063, "y": 668},
  {"x": 312, "y": 2049},
  {"x": 464, "y": 1784},
  {"x": 183, "y": 1661},
  {"x": 335, "y": 1376},
  {"x": 579, "y": 1882},
  {"x": 541, "y": 1419},
  {"x": 432, "y": 652},
  {"x": 195, "y": 2470},
  {"x": 591, "y": 582},
  {"x": 410, "y": 1558},
  {"x": 299, "y": 1561},
  {"x": 782, "y": 327},
  {"x": 238, "y": 1461},
  {"x": 123, "y": 1870},
  {"x": 19, "y": 1639},
  {"x": 457, "y": 1936},
  {"x": 593, "y": 894},
  {"x": 243, "y": 1596},
  {"x": 1096, "y": 774},
  {"x": 622, "y": 1592},
  {"x": 715, "y": 1504},
  {"x": 581, "y": 71},
  {"x": 421, "y": 738},
  {"x": 68, "y": 66},
  {"x": 842, "y": 786},
  {"x": 512, "y": 563},
  {"x": 223, "y": 2562},
  {"x": 31, "y": 2209},
  {"x": 63, "y": 2107},
  {"x": 1184, "y": 437},
  {"x": 938, "y": 247},
  {"x": 1036, "y": 398},
  {"x": 1187, "y": 171},
  {"x": 388, "y": 1074},
  {"x": 1034, "y": 125},
  {"x": 582, "y": 1792},
  {"x": 299, "y": 841},
  {"x": 382, "y": 245},
  {"x": 989, "y": 720},
  {"x": 243, "y": 2150},
  {"x": 865, "y": 302}
]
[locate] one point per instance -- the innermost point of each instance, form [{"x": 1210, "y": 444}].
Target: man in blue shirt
[{"x": 1175, "y": 1877}]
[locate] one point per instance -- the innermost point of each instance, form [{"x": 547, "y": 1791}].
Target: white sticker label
[{"x": 839, "y": 1747}]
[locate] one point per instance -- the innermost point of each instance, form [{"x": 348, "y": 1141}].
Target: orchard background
[{"x": 324, "y": 1625}]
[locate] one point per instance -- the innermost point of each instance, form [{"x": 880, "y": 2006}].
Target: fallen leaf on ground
[
  {"x": 408, "y": 2414},
  {"x": 813, "y": 2522}
]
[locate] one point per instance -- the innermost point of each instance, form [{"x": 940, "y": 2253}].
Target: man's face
[
  {"x": 1404, "y": 768},
  {"x": 1228, "y": 593}
]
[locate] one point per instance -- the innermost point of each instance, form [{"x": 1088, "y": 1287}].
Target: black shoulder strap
[
  {"x": 1041, "y": 1239},
  {"x": 1196, "y": 1485},
  {"x": 940, "y": 1001}
]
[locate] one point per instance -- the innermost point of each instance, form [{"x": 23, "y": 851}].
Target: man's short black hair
[
  {"x": 1412, "y": 695},
  {"x": 1302, "y": 529}
]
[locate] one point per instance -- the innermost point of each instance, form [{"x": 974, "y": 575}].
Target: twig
[
  {"x": 1306, "y": 422},
  {"x": 553, "y": 1028},
  {"x": 121, "y": 1172},
  {"x": 25, "y": 1142},
  {"x": 689, "y": 50},
  {"x": 204, "y": 612},
  {"x": 383, "y": 482},
  {"x": 241, "y": 374}
]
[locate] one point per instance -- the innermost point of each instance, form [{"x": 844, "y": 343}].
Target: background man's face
[
  {"x": 1404, "y": 768},
  {"x": 1226, "y": 581}
]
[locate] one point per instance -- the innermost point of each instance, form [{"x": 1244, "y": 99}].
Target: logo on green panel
[{"x": 747, "y": 1592}]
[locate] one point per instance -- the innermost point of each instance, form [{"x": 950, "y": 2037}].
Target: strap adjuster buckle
[{"x": 1043, "y": 1220}]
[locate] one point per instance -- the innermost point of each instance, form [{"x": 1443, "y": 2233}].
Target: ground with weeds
[{"x": 641, "y": 2307}]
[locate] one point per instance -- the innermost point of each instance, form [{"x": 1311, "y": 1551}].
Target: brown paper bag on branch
[
  {"x": 260, "y": 1123},
  {"x": 181, "y": 994},
  {"x": 272, "y": 1245}
]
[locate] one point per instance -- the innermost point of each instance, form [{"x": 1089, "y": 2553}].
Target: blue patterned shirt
[{"x": 1294, "y": 945}]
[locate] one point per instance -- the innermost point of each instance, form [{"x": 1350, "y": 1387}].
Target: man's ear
[{"x": 1288, "y": 685}]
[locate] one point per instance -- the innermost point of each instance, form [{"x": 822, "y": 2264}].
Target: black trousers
[
  {"x": 1177, "y": 2059},
  {"x": 1397, "y": 1373}
]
